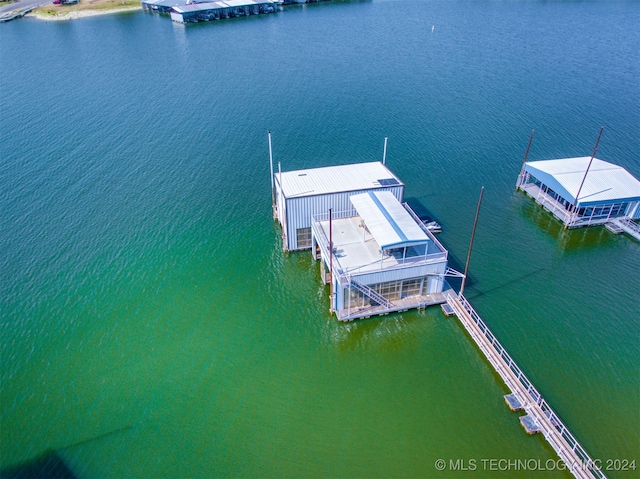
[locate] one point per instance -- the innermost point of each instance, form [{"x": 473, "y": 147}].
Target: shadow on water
[
  {"x": 510, "y": 282},
  {"x": 452, "y": 261},
  {"x": 46, "y": 466},
  {"x": 49, "y": 464},
  {"x": 383, "y": 333},
  {"x": 567, "y": 239},
  {"x": 420, "y": 209}
]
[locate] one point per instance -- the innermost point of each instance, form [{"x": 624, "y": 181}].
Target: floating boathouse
[
  {"x": 582, "y": 191},
  {"x": 375, "y": 252}
]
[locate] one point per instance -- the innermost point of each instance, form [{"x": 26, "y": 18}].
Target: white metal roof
[
  {"x": 239, "y": 3},
  {"x": 390, "y": 224},
  {"x": 336, "y": 179},
  {"x": 197, "y": 7},
  {"x": 605, "y": 182},
  {"x": 166, "y": 3}
]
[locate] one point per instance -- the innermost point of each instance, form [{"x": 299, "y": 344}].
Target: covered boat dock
[
  {"x": 582, "y": 191},
  {"x": 204, "y": 12}
]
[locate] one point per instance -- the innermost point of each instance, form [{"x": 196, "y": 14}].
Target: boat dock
[
  {"x": 12, "y": 15},
  {"x": 194, "y": 11},
  {"x": 624, "y": 225},
  {"x": 584, "y": 192},
  {"x": 540, "y": 416}
]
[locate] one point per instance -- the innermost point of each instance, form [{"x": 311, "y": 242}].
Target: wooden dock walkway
[{"x": 540, "y": 417}]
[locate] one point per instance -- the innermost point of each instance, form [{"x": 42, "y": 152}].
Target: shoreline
[{"x": 75, "y": 14}]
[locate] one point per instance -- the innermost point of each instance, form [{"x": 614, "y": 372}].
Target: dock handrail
[
  {"x": 586, "y": 462},
  {"x": 630, "y": 227}
]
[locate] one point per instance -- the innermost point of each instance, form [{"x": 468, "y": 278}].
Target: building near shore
[
  {"x": 161, "y": 6},
  {"x": 375, "y": 252},
  {"x": 190, "y": 11},
  {"x": 204, "y": 12},
  {"x": 582, "y": 191}
]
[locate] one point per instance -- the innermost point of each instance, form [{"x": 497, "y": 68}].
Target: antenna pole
[
  {"x": 273, "y": 200},
  {"x": 473, "y": 234},
  {"x": 575, "y": 201},
  {"x": 284, "y": 219},
  {"x": 384, "y": 152},
  {"x": 524, "y": 162},
  {"x": 330, "y": 260}
]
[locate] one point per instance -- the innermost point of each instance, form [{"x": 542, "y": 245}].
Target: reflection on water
[
  {"x": 387, "y": 333},
  {"x": 567, "y": 239}
]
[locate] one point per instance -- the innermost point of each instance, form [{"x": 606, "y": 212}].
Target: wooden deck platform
[
  {"x": 540, "y": 416},
  {"x": 415, "y": 302}
]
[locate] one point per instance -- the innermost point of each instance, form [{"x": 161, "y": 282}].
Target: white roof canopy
[
  {"x": 390, "y": 224},
  {"x": 336, "y": 179},
  {"x": 604, "y": 183}
]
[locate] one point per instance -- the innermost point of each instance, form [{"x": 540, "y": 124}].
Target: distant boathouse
[
  {"x": 375, "y": 253},
  {"x": 193, "y": 11},
  {"x": 582, "y": 191}
]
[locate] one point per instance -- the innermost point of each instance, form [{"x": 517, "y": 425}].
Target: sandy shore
[{"x": 74, "y": 14}]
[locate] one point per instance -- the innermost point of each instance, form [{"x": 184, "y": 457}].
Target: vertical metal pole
[
  {"x": 283, "y": 213},
  {"x": 473, "y": 234},
  {"x": 524, "y": 162},
  {"x": 575, "y": 201},
  {"x": 384, "y": 152},
  {"x": 330, "y": 260},
  {"x": 273, "y": 200}
]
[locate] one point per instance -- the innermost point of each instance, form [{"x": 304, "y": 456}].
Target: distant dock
[
  {"x": 204, "y": 12},
  {"x": 8, "y": 16},
  {"x": 540, "y": 416},
  {"x": 194, "y": 11}
]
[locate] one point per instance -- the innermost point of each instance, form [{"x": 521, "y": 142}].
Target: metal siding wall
[
  {"x": 300, "y": 210},
  {"x": 635, "y": 214},
  {"x": 435, "y": 285},
  {"x": 403, "y": 273}
]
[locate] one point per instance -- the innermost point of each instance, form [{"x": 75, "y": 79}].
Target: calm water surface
[{"x": 152, "y": 326}]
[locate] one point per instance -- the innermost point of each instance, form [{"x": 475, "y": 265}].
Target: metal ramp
[{"x": 371, "y": 293}]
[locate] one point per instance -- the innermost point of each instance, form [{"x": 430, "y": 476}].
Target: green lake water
[{"x": 151, "y": 325}]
